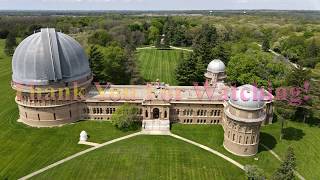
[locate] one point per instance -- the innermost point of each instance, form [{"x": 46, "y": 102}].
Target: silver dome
[
  {"x": 49, "y": 56},
  {"x": 216, "y": 66},
  {"x": 247, "y": 97}
]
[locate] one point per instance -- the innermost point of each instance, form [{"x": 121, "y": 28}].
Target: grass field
[
  {"x": 24, "y": 149},
  {"x": 303, "y": 138},
  {"x": 159, "y": 64},
  {"x": 147, "y": 157}
]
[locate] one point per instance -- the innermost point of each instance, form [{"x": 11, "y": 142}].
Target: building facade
[{"x": 54, "y": 87}]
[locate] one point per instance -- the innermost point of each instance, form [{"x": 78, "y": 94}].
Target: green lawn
[
  {"x": 212, "y": 136},
  {"x": 146, "y": 157},
  {"x": 304, "y": 139},
  {"x": 24, "y": 149},
  {"x": 159, "y": 64}
]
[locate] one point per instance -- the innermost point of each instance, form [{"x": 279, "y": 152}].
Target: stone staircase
[{"x": 156, "y": 126}]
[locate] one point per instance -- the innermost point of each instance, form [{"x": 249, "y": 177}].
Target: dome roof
[
  {"x": 216, "y": 66},
  {"x": 247, "y": 97},
  {"x": 49, "y": 56}
]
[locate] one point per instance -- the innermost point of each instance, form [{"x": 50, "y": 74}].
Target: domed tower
[
  {"x": 215, "y": 72},
  {"x": 244, "y": 114},
  {"x": 51, "y": 75}
]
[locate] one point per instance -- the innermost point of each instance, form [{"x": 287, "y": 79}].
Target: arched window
[{"x": 100, "y": 110}]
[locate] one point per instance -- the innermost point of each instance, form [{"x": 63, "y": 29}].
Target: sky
[{"x": 158, "y": 4}]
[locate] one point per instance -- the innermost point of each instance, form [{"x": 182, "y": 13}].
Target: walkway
[
  {"x": 278, "y": 157},
  {"x": 78, "y": 154}
]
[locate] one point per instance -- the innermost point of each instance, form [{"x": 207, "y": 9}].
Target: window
[
  {"x": 205, "y": 121},
  {"x": 70, "y": 113},
  {"x": 184, "y": 121},
  {"x": 187, "y": 120},
  {"x": 54, "y": 116},
  {"x": 178, "y": 111},
  {"x": 165, "y": 114},
  {"x": 229, "y": 134},
  {"x": 215, "y": 121},
  {"x": 26, "y": 115},
  {"x": 205, "y": 113},
  {"x": 107, "y": 111},
  {"x": 140, "y": 111},
  {"x": 247, "y": 140},
  {"x": 201, "y": 113},
  {"x": 215, "y": 112},
  {"x": 39, "y": 117},
  {"x": 218, "y": 113},
  {"x": 233, "y": 137},
  {"x": 146, "y": 113},
  {"x": 100, "y": 110},
  {"x": 198, "y": 113},
  {"x": 94, "y": 110}
]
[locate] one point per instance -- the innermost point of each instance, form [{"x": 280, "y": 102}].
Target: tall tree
[
  {"x": 185, "y": 73},
  {"x": 10, "y": 44},
  {"x": 222, "y": 52},
  {"x": 266, "y": 45},
  {"x": 286, "y": 169},
  {"x": 95, "y": 62}
]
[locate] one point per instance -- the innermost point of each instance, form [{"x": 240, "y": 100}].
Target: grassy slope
[
  {"x": 146, "y": 157},
  {"x": 303, "y": 138},
  {"x": 159, "y": 64},
  {"x": 24, "y": 149}
]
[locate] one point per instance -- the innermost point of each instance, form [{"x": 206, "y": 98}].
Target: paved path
[
  {"x": 278, "y": 157},
  {"x": 210, "y": 150},
  {"x": 183, "y": 49},
  {"x": 78, "y": 154},
  {"x": 89, "y": 143}
]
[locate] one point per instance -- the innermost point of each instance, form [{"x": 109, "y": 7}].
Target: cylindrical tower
[
  {"x": 244, "y": 113},
  {"x": 51, "y": 75}
]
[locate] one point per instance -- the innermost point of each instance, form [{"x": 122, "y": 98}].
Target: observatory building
[{"x": 53, "y": 80}]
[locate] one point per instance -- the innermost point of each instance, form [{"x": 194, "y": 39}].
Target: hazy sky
[{"x": 158, "y": 4}]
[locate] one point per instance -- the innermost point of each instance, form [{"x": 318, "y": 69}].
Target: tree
[
  {"x": 254, "y": 173},
  {"x": 312, "y": 49},
  {"x": 265, "y": 45},
  {"x": 10, "y": 44},
  {"x": 283, "y": 112},
  {"x": 3, "y": 33},
  {"x": 100, "y": 37},
  {"x": 222, "y": 52},
  {"x": 286, "y": 169},
  {"x": 125, "y": 117},
  {"x": 95, "y": 62},
  {"x": 154, "y": 34},
  {"x": 185, "y": 73}
]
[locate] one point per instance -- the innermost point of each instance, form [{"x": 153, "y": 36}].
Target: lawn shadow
[
  {"x": 267, "y": 140},
  {"x": 293, "y": 134}
]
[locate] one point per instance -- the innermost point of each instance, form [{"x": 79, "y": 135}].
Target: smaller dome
[
  {"x": 216, "y": 66},
  {"x": 247, "y": 97},
  {"x": 83, "y": 136}
]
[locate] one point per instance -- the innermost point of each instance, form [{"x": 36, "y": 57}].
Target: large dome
[
  {"x": 247, "y": 97},
  {"x": 49, "y": 56},
  {"x": 216, "y": 66}
]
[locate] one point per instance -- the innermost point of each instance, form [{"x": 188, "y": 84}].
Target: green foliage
[
  {"x": 222, "y": 52},
  {"x": 100, "y": 37},
  {"x": 286, "y": 170},
  {"x": 185, "y": 71},
  {"x": 265, "y": 45},
  {"x": 254, "y": 173},
  {"x": 154, "y": 34},
  {"x": 125, "y": 117},
  {"x": 95, "y": 61},
  {"x": 4, "y": 33},
  {"x": 298, "y": 76},
  {"x": 10, "y": 44},
  {"x": 114, "y": 67},
  {"x": 255, "y": 67}
]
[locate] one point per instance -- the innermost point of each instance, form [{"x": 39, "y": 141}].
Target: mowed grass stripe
[
  {"x": 146, "y": 157},
  {"x": 159, "y": 64}
]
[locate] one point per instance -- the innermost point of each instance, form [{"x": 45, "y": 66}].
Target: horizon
[{"x": 156, "y": 5}]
